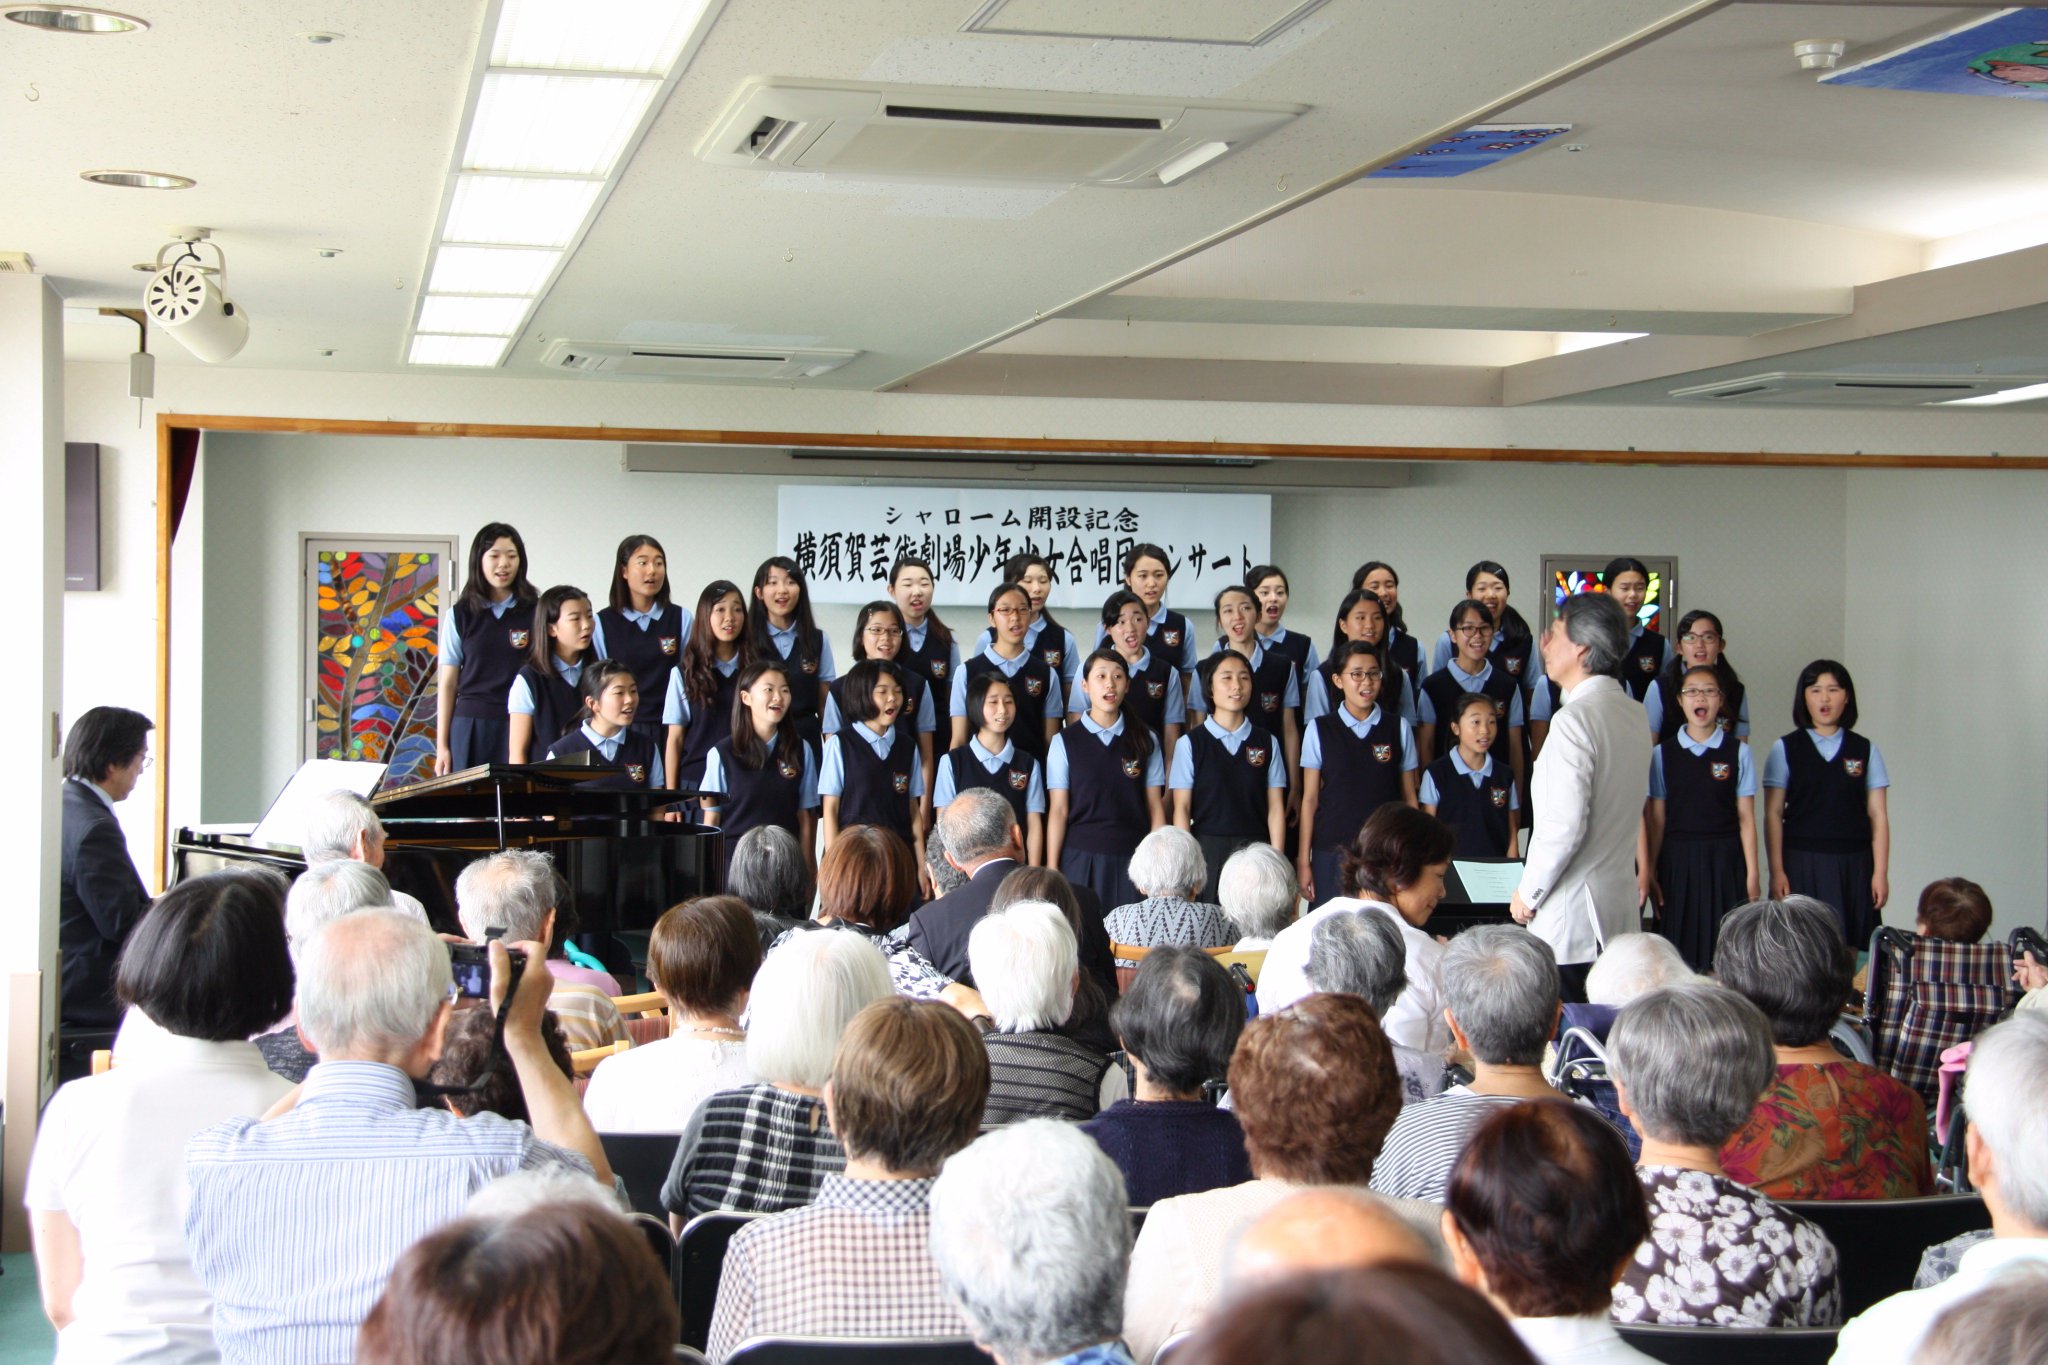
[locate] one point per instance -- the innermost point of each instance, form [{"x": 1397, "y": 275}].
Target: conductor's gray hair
[
  {"x": 1595, "y": 620},
  {"x": 1032, "y": 1239}
]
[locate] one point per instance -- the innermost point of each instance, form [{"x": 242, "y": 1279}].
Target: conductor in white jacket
[{"x": 1578, "y": 886}]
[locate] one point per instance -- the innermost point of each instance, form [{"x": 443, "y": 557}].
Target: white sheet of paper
[
  {"x": 1487, "y": 883},
  {"x": 283, "y": 825}
]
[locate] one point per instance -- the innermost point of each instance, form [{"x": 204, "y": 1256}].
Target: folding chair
[
  {"x": 646, "y": 1016},
  {"x": 1925, "y": 996},
  {"x": 642, "y": 1160},
  {"x": 859, "y": 1351},
  {"x": 1732, "y": 1345},
  {"x": 1878, "y": 1241},
  {"x": 699, "y": 1261},
  {"x": 584, "y": 1062}
]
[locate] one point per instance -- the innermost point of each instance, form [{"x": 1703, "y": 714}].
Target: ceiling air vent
[
  {"x": 1852, "y": 390},
  {"x": 712, "y": 364},
  {"x": 908, "y": 132}
]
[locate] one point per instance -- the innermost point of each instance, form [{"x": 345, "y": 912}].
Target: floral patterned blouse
[
  {"x": 1724, "y": 1256},
  {"x": 1833, "y": 1130}
]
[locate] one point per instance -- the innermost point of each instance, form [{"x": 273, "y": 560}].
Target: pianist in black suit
[
  {"x": 101, "y": 897},
  {"x": 983, "y": 841}
]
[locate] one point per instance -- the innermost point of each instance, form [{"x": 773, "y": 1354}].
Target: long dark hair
[
  {"x": 1674, "y": 672},
  {"x": 1351, "y": 599},
  {"x": 878, "y": 607},
  {"x": 474, "y": 593},
  {"x": 757, "y": 610},
  {"x": 747, "y": 748},
  {"x": 1395, "y": 618},
  {"x": 940, "y": 634},
  {"x": 700, "y": 651},
  {"x": 1222, "y": 637},
  {"x": 1013, "y": 572},
  {"x": 621, "y": 597},
  {"x": 547, "y": 611},
  {"x": 1136, "y": 740},
  {"x": 1511, "y": 625}
]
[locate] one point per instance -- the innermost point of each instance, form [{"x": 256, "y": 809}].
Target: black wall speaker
[{"x": 81, "y": 516}]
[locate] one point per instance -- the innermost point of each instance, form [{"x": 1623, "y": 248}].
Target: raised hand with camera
[{"x": 552, "y": 1108}]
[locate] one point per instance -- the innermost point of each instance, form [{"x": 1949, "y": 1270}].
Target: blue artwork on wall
[
  {"x": 2005, "y": 56},
  {"x": 1480, "y": 146}
]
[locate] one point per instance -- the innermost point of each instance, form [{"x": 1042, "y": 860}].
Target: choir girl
[
  {"x": 990, "y": 759},
  {"x": 1045, "y": 636},
  {"x": 763, "y": 771},
  {"x": 1513, "y": 647},
  {"x": 1470, "y": 792},
  {"x": 611, "y": 701},
  {"x": 929, "y": 648},
  {"x": 878, "y": 633},
  {"x": 486, "y": 638},
  {"x": 780, "y": 626},
  {"x": 640, "y": 626},
  {"x": 1825, "y": 817},
  {"x": 1404, "y": 651},
  {"x": 544, "y": 702},
  {"x": 1362, "y": 617},
  {"x": 872, "y": 773},
  {"x": 1628, "y": 581},
  {"x": 696, "y": 710},
  {"x": 1355, "y": 759},
  {"x": 1034, "y": 683},
  {"x": 1700, "y": 645},
  {"x": 1103, "y": 778},
  {"x": 1700, "y": 822},
  {"x": 1228, "y": 784},
  {"x": 1469, "y": 670},
  {"x": 1276, "y": 685},
  {"x": 1147, "y": 573},
  {"x": 1268, "y": 583},
  {"x": 1155, "y": 695}
]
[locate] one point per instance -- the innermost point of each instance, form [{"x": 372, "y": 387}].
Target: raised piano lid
[{"x": 529, "y": 797}]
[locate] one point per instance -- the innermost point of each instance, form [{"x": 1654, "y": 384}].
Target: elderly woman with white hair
[
  {"x": 1026, "y": 965},
  {"x": 1257, "y": 891},
  {"x": 767, "y": 1147},
  {"x": 1169, "y": 872},
  {"x": 341, "y": 826},
  {"x": 1632, "y": 965}
]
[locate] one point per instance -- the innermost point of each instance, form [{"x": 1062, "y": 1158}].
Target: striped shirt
[
  {"x": 295, "y": 1223},
  {"x": 1041, "y": 1075},
  {"x": 756, "y": 1149},
  {"x": 853, "y": 1264},
  {"x": 1427, "y": 1140},
  {"x": 587, "y": 1015}
]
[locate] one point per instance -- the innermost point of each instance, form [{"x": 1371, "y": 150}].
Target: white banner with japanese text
[{"x": 845, "y": 537}]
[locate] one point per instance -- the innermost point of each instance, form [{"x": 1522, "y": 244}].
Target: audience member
[
  {"x": 1024, "y": 959},
  {"x": 1541, "y": 1215},
  {"x": 513, "y": 891},
  {"x": 105, "y": 1193},
  {"x": 1826, "y": 1127},
  {"x": 908, "y": 1085},
  {"x": 1031, "y": 1236},
  {"x": 1259, "y": 891},
  {"x": 1178, "y": 1024},
  {"x": 1168, "y": 871},
  {"x": 475, "y": 1074},
  {"x": 768, "y": 1146},
  {"x": 2007, "y": 1146},
  {"x": 1315, "y": 1091},
  {"x": 1089, "y": 1023},
  {"x": 1689, "y": 1062},
  {"x": 1633, "y": 965},
  {"x": 559, "y": 1284},
  {"x": 1500, "y": 989},
  {"x": 342, "y": 827},
  {"x": 938, "y": 869},
  {"x": 294, "y": 1243},
  {"x": 1955, "y": 909},
  {"x": 702, "y": 957},
  {"x": 867, "y": 885},
  {"x": 322, "y": 893},
  {"x": 1395, "y": 868},
  {"x": 982, "y": 840},
  {"x": 1363, "y": 955},
  {"x": 1395, "y": 1314},
  {"x": 1331, "y": 1228},
  {"x": 100, "y": 895},
  {"x": 767, "y": 870},
  {"x": 2007, "y": 1322},
  {"x": 511, "y": 1195}
]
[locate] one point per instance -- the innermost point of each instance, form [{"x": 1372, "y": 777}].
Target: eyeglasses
[
  {"x": 1699, "y": 693},
  {"x": 1010, "y": 613},
  {"x": 1472, "y": 630},
  {"x": 1353, "y": 675},
  {"x": 1699, "y": 637},
  {"x": 883, "y": 632}
]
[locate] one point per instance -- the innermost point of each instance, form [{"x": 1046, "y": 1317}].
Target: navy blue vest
[
  {"x": 635, "y": 760},
  {"x": 1294, "y": 649},
  {"x": 1228, "y": 800},
  {"x": 1478, "y": 813},
  {"x": 933, "y": 663},
  {"x": 1699, "y": 791},
  {"x": 1827, "y": 804},
  {"x": 1035, "y": 687},
  {"x": 1359, "y": 775},
  {"x": 557, "y": 707},
  {"x": 1171, "y": 635},
  {"x": 1389, "y": 699},
  {"x": 1405, "y": 654},
  {"x": 1146, "y": 698},
  {"x": 650, "y": 653},
  {"x": 802, "y": 663},
  {"x": 913, "y": 685},
  {"x": 1520, "y": 663},
  {"x": 1012, "y": 779},
  {"x": 769, "y": 795},
  {"x": 1106, "y": 807},
  {"x": 493, "y": 648},
  {"x": 1444, "y": 691},
  {"x": 710, "y": 721},
  {"x": 876, "y": 789},
  {"x": 1639, "y": 666}
]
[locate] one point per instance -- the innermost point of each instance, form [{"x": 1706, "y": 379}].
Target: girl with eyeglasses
[
  {"x": 1700, "y": 822},
  {"x": 1700, "y": 645},
  {"x": 1470, "y": 670},
  {"x": 1034, "y": 683},
  {"x": 879, "y": 634},
  {"x": 1355, "y": 759}
]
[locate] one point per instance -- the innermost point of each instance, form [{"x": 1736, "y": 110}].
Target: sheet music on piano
[{"x": 284, "y": 824}]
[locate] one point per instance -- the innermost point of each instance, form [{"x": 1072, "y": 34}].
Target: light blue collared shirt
[
  {"x": 1070, "y": 651},
  {"x": 784, "y": 640},
  {"x": 1653, "y": 703},
  {"x": 607, "y": 747},
  {"x": 519, "y": 701},
  {"x": 644, "y": 620},
  {"x": 1290, "y": 695},
  {"x": 807, "y": 795},
  {"x": 1778, "y": 770},
  {"x": 675, "y": 707},
  {"x": 943, "y": 790},
  {"x": 1319, "y": 698},
  {"x": 1056, "y": 754},
  {"x": 1745, "y": 771},
  {"x": 832, "y": 777},
  {"x": 1176, "y": 712},
  {"x": 1431, "y": 795},
  {"x": 1312, "y": 742},
  {"x": 1009, "y": 669},
  {"x": 1468, "y": 682},
  {"x": 1182, "y": 778},
  {"x": 927, "y": 720},
  {"x": 451, "y": 638}
]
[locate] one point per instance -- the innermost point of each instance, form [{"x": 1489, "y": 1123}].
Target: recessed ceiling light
[
  {"x": 139, "y": 180},
  {"x": 429, "y": 348},
  {"x": 463, "y": 315},
  {"x": 73, "y": 19},
  {"x": 595, "y": 35},
  {"x": 571, "y": 125},
  {"x": 490, "y": 270},
  {"x": 518, "y": 210}
]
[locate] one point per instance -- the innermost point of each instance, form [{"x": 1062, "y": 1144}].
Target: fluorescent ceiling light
[
  {"x": 513, "y": 210},
  {"x": 568, "y": 125},
  {"x": 431, "y": 349},
  {"x": 1567, "y": 342},
  {"x": 1190, "y": 161},
  {"x": 471, "y": 316},
  {"x": 490, "y": 270},
  {"x": 2024, "y": 394},
  {"x": 595, "y": 35}
]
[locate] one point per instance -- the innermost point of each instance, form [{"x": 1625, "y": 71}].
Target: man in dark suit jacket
[
  {"x": 983, "y": 841},
  {"x": 100, "y": 896}
]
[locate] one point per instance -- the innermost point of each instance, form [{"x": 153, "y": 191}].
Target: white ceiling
[{"x": 1721, "y": 199}]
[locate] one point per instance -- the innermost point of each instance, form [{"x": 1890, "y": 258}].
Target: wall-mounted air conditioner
[
  {"x": 1853, "y": 390},
  {"x": 910, "y": 132},
  {"x": 711, "y": 364}
]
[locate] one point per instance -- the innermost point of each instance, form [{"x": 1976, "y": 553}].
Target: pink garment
[
  {"x": 564, "y": 970},
  {"x": 1953, "y": 1060}
]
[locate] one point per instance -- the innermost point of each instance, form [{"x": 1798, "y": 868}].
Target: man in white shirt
[
  {"x": 1578, "y": 886},
  {"x": 2008, "y": 1113}
]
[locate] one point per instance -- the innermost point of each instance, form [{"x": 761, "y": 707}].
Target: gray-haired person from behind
[
  {"x": 1689, "y": 1062},
  {"x": 341, "y": 825},
  {"x": 767, "y": 870},
  {"x": 1032, "y": 1236},
  {"x": 1363, "y": 955},
  {"x": 1258, "y": 890}
]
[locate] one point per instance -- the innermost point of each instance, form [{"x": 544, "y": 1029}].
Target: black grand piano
[{"x": 623, "y": 863}]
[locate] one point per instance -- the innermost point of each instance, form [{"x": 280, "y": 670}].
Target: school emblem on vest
[
  {"x": 1725, "y": 724},
  {"x": 1647, "y": 664},
  {"x": 1853, "y": 766},
  {"x": 1383, "y": 753},
  {"x": 1132, "y": 768},
  {"x": 900, "y": 781},
  {"x": 1034, "y": 686},
  {"x": 1719, "y": 770},
  {"x": 1500, "y": 797},
  {"x": 1154, "y": 690},
  {"x": 1052, "y": 657},
  {"x": 938, "y": 667},
  {"x": 1500, "y": 708},
  {"x": 1019, "y": 781},
  {"x": 1257, "y": 754},
  {"x": 636, "y": 773},
  {"x": 519, "y": 638},
  {"x": 1513, "y": 665},
  {"x": 1170, "y": 638},
  {"x": 788, "y": 768},
  {"x": 1269, "y": 701},
  {"x": 810, "y": 665},
  {"x": 668, "y": 645}
]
